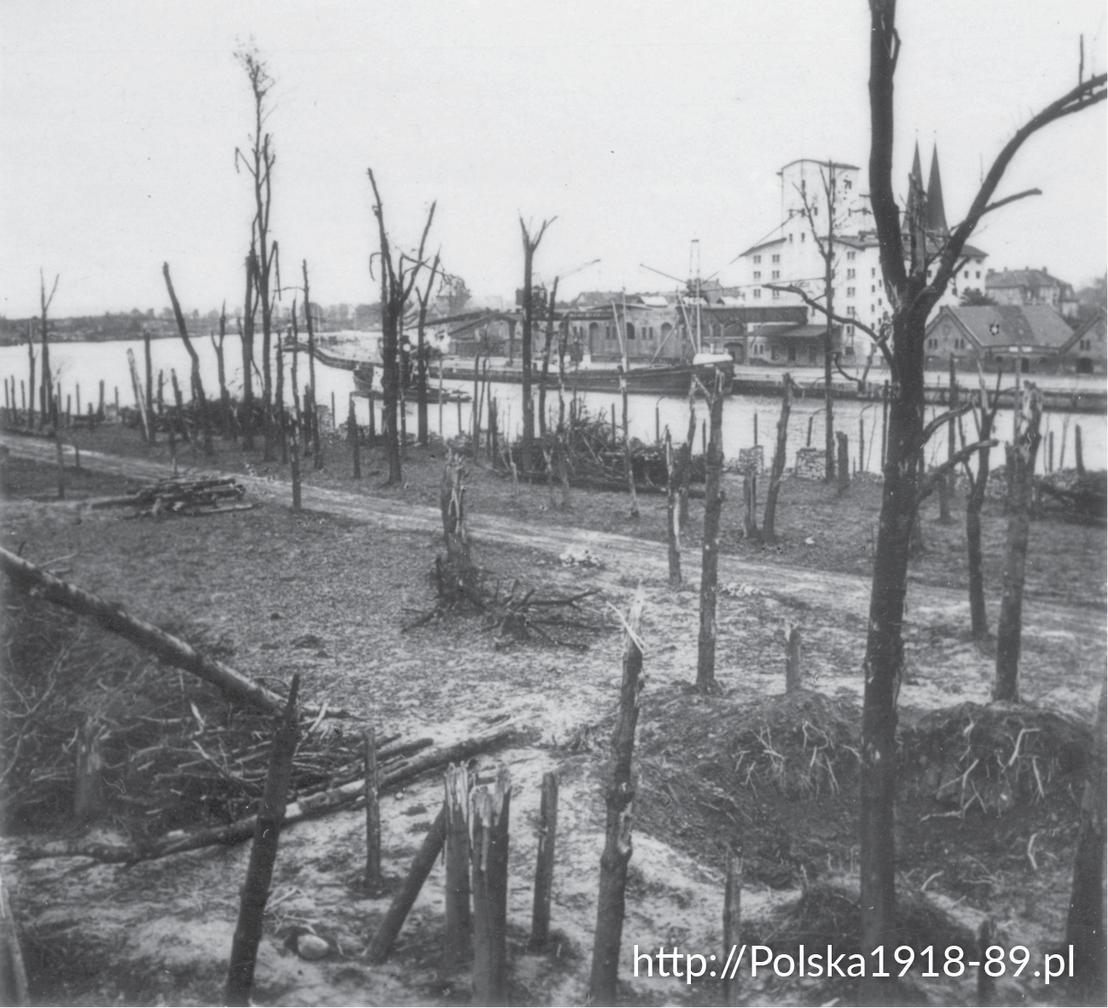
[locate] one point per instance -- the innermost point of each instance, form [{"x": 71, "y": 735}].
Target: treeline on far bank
[{"x": 102, "y": 328}]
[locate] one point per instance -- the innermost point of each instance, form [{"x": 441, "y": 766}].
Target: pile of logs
[
  {"x": 205, "y": 496},
  {"x": 1079, "y": 497}
]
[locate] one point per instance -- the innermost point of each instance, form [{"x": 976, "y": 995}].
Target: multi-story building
[
  {"x": 823, "y": 205},
  {"x": 1031, "y": 287}
]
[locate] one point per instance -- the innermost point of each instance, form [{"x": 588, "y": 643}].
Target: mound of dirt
[
  {"x": 991, "y": 759},
  {"x": 774, "y": 774}
]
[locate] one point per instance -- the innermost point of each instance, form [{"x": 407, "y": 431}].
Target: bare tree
[
  {"x": 530, "y": 245},
  {"x": 399, "y": 273},
  {"x": 423, "y": 296},
  {"x": 246, "y": 333},
  {"x": 915, "y": 278},
  {"x": 258, "y": 162},
  {"x": 198, "y": 398},
  {"x": 1021, "y": 455},
  {"x": 49, "y": 407}
]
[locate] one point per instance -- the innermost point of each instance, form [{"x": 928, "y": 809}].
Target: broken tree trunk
[
  {"x": 843, "y": 463},
  {"x": 112, "y": 616},
  {"x": 709, "y": 563},
  {"x": 544, "y": 866},
  {"x": 1021, "y": 468},
  {"x": 685, "y": 461},
  {"x": 458, "y": 922},
  {"x": 777, "y": 470},
  {"x": 1085, "y": 923},
  {"x": 794, "y": 675},
  {"x": 355, "y": 440},
  {"x": 673, "y": 514},
  {"x": 381, "y": 945},
  {"x": 732, "y": 921},
  {"x": 372, "y": 813},
  {"x": 489, "y": 807},
  {"x": 619, "y": 798},
  {"x": 263, "y": 854}
]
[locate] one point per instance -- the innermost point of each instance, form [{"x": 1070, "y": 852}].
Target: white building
[{"x": 790, "y": 255}]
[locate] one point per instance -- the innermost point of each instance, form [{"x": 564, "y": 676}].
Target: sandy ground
[{"x": 159, "y": 932}]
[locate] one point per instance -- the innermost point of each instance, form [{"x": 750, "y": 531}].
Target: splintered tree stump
[
  {"x": 619, "y": 799},
  {"x": 794, "y": 674},
  {"x": 458, "y": 924},
  {"x": 732, "y": 921},
  {"x": 489, "y": 807},
  {"x": 88, "y": 789},
  {"x": 544, "y": 866},
  {"x": 263, "y": 854},
  {"x": 372, "y": 813}
]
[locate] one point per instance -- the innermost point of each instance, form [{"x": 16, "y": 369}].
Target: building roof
[
  {"x": 808, "y": 160},
  {"x": 787, "y": 331},
  {"x": 936, "y": 212},
  {"x": 997, "y": 279},
  {"x": 764, "y": 245},
  {"x": 999, "y": 326}
]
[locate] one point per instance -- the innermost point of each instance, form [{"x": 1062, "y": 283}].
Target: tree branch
[
  {"x": 932, "y": 479},
  {"x": 880, "y": 341}
]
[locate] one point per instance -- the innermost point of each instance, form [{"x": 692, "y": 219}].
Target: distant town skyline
[{"x": 640, "y": 126}]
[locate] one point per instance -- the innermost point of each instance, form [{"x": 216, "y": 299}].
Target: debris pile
[{"x": 204, "y": 496}]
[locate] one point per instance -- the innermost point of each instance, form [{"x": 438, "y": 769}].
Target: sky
[{"x": 639, "y": 125}]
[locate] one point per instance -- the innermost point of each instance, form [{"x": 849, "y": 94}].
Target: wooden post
[
  {"x": 777, "y": 470},
  {"x": 704, "y": 437},
  {"x": 294, "y": 458},
  {"x": 372, "y": 812},
  {"x": 489, "y": 807},
  {"x": 263, "y": 854},
  {"x": 61, "y": 464},
  {"x": 88, "y": 792},
  {"x": 673, "y": 513},
  {"x": 794, "y": 675},
  {"x": 1078, "y": 451},
  {"x": 23, "y": 401},
  {"x": 1050, "y": 452},
  {"x": 861, "y": 444},
  {"x": 100, "y": 403},
  {"x": 709, "y": 553},
  {"x": 544, "y": 866},
  {"x": 750, "y": 505},
  {"x": 355, "y": 441},
  {"x": 732, "y": 920},
  {"x": 811, "y": 420},
  {"x": 372, "y": 419},
  {"x": 117, "y": 402},
  {"x": 458, "y": 924},
  {"x": 619, "y": 799},
  {"x": 756, "y": 418},
  {"x": 385, "y": 938},
  {"x": 986, "y": 985},
  {"x": 77, "y": 391},
  {"x": 149, "y": 381},
  {"x": 843, "y": 461},
  {"x": 458, "y": 406},
  {"x": 334, "y": 416},
  {"x": 657, "y": 424},
  {"x": 475, "y": 410}
]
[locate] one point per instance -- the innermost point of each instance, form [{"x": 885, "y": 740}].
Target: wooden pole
[
  {"x": 732, "y": 920},
  {"x": 100, "y": 406},
  {"x": 149, "y": 379},
  {"x": 1078, "y": 450},
  {"x": 372, "y": 812},
  {"x": 544, "y": 866},
  {"x": 294, "y": 458},
  {"x": 619, "y": 799},
  {"x": 489, "y": 807},
  {"x": 383, "y": 941},
  {"x": 794, "y": 675},
  {"x": 355, "y": 441},
  {"x": 263, "y": 854},
  {"x": 709, "y": 552},
  {"x": 61, "y": 463},
  {"x": 673, "y": 513},
  {"x": 77, "y": 391},
  {"x": 458, "y": 923}
]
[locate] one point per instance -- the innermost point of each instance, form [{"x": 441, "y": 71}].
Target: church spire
[
  {"x": 936, "y": 212},
  {"x": 916, "y": 207}
]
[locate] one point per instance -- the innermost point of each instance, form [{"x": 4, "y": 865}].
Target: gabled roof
[
  {"x": 764, "y": 245},
  {"x": 1000, "y": 326},
  {"x": 1096, "y": 321}
]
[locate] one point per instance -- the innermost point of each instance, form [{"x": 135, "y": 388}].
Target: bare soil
[{"x": 750, "y": 767}]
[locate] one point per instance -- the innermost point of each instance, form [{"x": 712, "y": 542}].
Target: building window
[
  {"x": 776, "y": 258},
  {"x": 851, "y": 311},
  {"x": 757, "y": 274},
  {"x": 965, "y": 274},
  {"x": 803, "y": 235},
  {"x": 757, "y": 259},
  {"x": 850, "y": 274},
  {"x": 873, "y": 271},
  {"x": 850, "y": 292},
  {"x": 979, "y": 274},
  {"x": 776, "y": 275},
  {"x": 757, "y": 293},
  {"x": 775, "y": 295},
  {"x": 850, "y": 257}
]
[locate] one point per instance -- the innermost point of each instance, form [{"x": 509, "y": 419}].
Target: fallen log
[
  {"x": 307, "y": 807},
  {"x": 110, "y": 615}
]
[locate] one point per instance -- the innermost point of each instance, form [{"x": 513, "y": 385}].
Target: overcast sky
[{"x": 641, "y": 125}]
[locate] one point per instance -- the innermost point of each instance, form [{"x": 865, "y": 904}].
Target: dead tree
[
  {"x": 30, "y": 418},
  {"x": 547, "y": 343},
  {"x": 628, "y": 468},
  {"x": 458, "y": 923},
  {"x": 399, "y": 274},
  {"x": 673, "y": 514},
  {"x": 258, "y": 162},
  {"x": 777, "y": 470},
  {"x": 317, "y": 457},
  {"x": 151, "y": 426},
  {"x": 684, "y": 457},
  {"x": 421, "y": 376},
  {"x": 1021, "y": 456},
  {"x": 226, "y": 427},
  {"x": 199, "y": 400},
  {"x": 619, "y": 800},
  {"x": 530, "y": 245},
  {"x": 489, "y": 807},
  {"x": 246, "y": 332},
  {"x": 1085, "y": 923},
  {"x": 984, "y": 413},
  {"x": 49, "y": 406},
  {"x": 709, "y": 562},
  {"x": 915, "y": 277}
]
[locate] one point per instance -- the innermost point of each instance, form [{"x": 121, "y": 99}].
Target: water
[{"x": 86, "y": 364}]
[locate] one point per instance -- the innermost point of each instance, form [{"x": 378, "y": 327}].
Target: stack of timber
[{"x": 204, "y": 496}]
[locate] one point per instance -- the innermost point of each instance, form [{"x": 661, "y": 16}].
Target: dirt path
[{"x": 621, "y": 555}]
